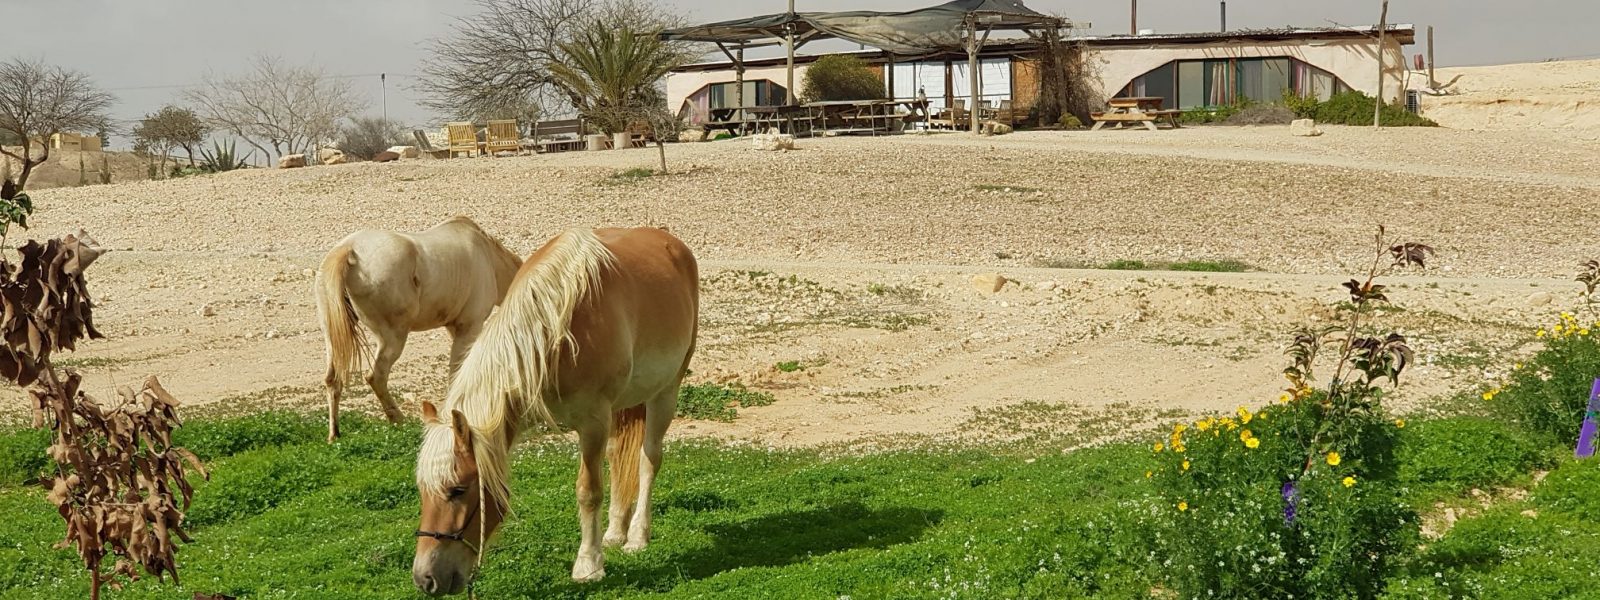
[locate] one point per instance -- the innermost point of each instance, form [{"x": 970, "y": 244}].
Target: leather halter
[{"x": 454, "y": 536}]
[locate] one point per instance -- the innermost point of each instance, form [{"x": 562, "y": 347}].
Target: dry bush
[{"x": 118, "y": 479}]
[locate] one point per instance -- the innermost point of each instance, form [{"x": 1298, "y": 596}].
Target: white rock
[
  {"x": 989, "y": 283},
  {"x": 291, "y": 161},
  {"x": 772, "y": 142},
  {"x": 406, "y": 151},
  {"x": 1540, "y": 299},
  {"x": 330, "y": 156},
  {"x": 1304, "y": 128},
  {"x": 208, "y": 311}
]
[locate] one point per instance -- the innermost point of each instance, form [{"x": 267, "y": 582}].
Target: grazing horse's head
[{"x": 456, "y": 516}]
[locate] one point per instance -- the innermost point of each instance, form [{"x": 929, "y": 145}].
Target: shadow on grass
[{"x": 777, "y": 540}]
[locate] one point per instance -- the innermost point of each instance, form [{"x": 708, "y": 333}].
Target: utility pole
[
  {"x": 1383, "y": 31},
  {"x": 383, "y": 82},
  {"x": 788, "y": 45},
  {"x": 1133, "y": 19},
  {"x": 1224, "y": 16}
]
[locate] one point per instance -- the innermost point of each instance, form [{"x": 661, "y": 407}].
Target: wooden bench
[
  {"x": 1146, "y": 118},
  {"x": 544, "y": 129}
]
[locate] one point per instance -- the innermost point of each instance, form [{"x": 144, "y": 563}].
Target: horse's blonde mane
[{"x": 501, "y": 384}]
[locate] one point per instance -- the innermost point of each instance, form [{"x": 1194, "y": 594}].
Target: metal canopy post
[{"x": 788, "y": 45}]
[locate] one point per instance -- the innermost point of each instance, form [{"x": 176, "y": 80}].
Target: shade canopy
[{"x": 929, "y": 30}]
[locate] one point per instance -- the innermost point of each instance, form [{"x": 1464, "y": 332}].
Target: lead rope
[{"x": 483, "y": 532}]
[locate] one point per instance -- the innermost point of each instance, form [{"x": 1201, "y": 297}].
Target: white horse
[
  {"x": 452, "y": 276},
  {"x": 596, "y": 335}
]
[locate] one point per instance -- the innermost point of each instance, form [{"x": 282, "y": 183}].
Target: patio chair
[
  {"x": 1006, "y": 114},
  {"x": 463, "y": 138},
  {"x": 426, "y": 145},
  {"x": 501, "y": 135}
]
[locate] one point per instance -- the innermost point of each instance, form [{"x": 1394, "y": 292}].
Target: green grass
[
  {"x": 288, "y": 516},
  {"x": 717, "y": 402},
  {"x": 630, "y": 176},
  {"x": 1203, "y": 266}
]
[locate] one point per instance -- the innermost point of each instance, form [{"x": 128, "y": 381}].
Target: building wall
[
  {"x": 682, "y": 85},
  {"x": 1353, "y": 61}
]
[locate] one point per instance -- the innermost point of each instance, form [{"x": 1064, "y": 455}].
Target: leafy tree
[
  {"x": 840, "y": 77},
  {"x": 172, "y": 127},
  {"x": 38, "y": 101},
  {"x": 498, "y": 61},
  {"x": 610, "y": 72}
]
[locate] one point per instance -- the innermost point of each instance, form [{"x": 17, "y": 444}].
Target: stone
[
  {"x": 291, "y": 161},
  {"x": 385, "y": 156},
  {"x": 208, "y": 311},
  {"x": 772, "y": 142},
  {"x": 1540, "y": 299},
  {"x": 1304, "y": 128},
  {"x": 406, "y": 151},
  {"x": 330, "y": 156},
  {"x": 995, "y": 128},
  {"x": 989, "y": 283}
]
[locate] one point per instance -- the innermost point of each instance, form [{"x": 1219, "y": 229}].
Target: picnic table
[
  {"x": 863, "y": 115},
  {"x": 730, "y": 119},
  {"x": 1143, "y": 110}
]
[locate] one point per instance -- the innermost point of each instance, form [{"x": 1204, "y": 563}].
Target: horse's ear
[
  {"x": 430, "y": 413},
  {"x": 458, "y": 423}
]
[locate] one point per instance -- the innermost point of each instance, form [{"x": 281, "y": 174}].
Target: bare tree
[
  {"x": 38, "y": 101},
  {"x": 501, "y": 56},
  {"x": 277, "y": 108}
]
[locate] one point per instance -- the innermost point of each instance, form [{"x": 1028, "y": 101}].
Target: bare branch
[
  {"x": 38, "y": 101},
  {"x": 277, "y": 108}
]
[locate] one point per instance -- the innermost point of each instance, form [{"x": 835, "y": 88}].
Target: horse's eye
[{"x": 456, "y": 492}]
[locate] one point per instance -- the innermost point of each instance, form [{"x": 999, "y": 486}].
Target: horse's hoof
[
  {"x": 612, "y": 540},
  {"x": 582, "y": 574},
  {"x": 632, "y": 547}
]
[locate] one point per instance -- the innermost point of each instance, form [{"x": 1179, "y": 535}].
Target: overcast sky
[{"x": 146, "y": 51}]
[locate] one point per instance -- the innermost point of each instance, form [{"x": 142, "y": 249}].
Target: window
[
  {"x": 1188, "y": 84},
  {"x": 760, "y": 92}
]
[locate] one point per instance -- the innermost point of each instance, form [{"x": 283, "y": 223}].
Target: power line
[{"x": 190, "y": 85}]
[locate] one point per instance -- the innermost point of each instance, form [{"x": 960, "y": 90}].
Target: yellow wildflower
[
  {"x": 1285, "y": 398},
  {"x": 1159, "y": 446},
  {"x": 1185, "y": 465},
  {"x": 1516, "y": 367},
  {"x": 1245, "y": 435},
  {"x": 1203, "y": 425},
  {"x": 1584, "y": 331},
  {"x": 1349, "y": 481},
  {"x": 1333, "y": 459},
  {"x": 1183, "y": 506},
  {"x": 1179, "y": 428},
  {"x": 1149, "y": 474},
  {"x": 1179, "y": 447},
  {"x": 1400, "y": 423},
  {"x": 1539, "y": 333},
  {"x": 1252, "y": 443},
  {"x": 1244, "y": 415},
  {"x": 1489, "y": 395}
]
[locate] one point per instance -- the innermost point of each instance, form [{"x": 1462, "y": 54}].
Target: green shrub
[
  {"x": 1508, "y": 554},
  {"x": 1125, "y": 265},
  {"x": 1548, "y": 394},
  {"x": 1355, "y": 108},
  {"x": 1304, "y": 107},
  {"x": 1218, "y": 114},
  {"x": 1573, "y": 488},
  {"x": 716, "y": 402},
  {"x": 1070, "y": 121},
  {"x": 22, "y": 455},
  {"x": 1210, "y": 266},
  {"x": 840, "y": 77},
  {"x": 1450, "y": 455},
  {"x": 1301, "y": 499}
]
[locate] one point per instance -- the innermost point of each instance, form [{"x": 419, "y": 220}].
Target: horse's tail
[
  {"x": 345, "y": 340},
  {"x": 627, "y": 440}
]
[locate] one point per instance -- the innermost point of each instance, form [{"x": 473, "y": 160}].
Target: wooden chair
[
  {"x": 463, "y": 138},
  {"x": 501, "y": 135},
  {"x": 1006, "y": 114}
]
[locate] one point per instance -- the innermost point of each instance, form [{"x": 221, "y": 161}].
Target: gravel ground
[{"x": 854, "y": 257}]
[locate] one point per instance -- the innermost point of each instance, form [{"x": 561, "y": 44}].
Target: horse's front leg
[{"x": 591, "y": 563}]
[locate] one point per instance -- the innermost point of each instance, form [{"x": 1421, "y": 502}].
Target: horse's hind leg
[
  {"x": 390, "y": 344},
  {"x": 335, "y": 386},
  {"x": 658, "y": 415},
  {"x": 590, "y": 564}
]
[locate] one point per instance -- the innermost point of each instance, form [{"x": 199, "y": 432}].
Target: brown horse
[
  {"x": 596, "y": 335},
  {"x": 451, "y": 276}
]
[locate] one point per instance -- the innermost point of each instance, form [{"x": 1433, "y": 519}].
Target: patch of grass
[
  {"x": 287, "y": 515},
  {"x": 1059, "y": 263},
  {"x": 901, "y": 293},
  {"x": 22, "y": 456},
  {"x": 1126, "y": 265},
  {"x": 789, "y": 366},
  {"x": 1209, "y": 266},
  {"x": 628, "y": 176},
  {"x": 1448, "y": 456},
  {"x": 717, "y": 402}
]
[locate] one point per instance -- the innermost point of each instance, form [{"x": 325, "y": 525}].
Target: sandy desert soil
[
  {"x": 853, "y": 257},
  {"x": 1557, "y": 95}
]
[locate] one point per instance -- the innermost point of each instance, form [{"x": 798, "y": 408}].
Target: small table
[
  {"x": 862, "y": 115},
  {"x": 1144, "y": 110}
]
